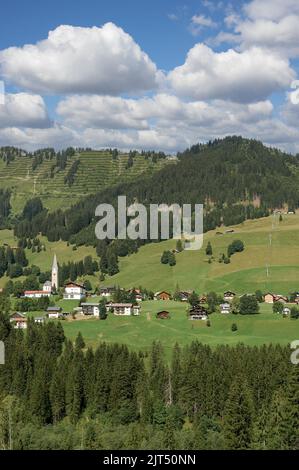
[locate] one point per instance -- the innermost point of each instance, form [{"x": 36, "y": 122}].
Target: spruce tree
[{"x": 238, "y": 416}]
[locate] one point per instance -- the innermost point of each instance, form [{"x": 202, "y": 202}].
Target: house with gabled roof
[
  {"x": 229, "y": 295},
  {"x": 198, "y": 312},
  {"x": 74, "y": 291},
  {"x": 19, "y": 321},
  {"x": 162, "y": 295}
]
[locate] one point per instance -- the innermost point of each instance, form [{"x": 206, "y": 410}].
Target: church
[
  {"x": 55, "y": 275},
  {"x": 49, "y": 287}
]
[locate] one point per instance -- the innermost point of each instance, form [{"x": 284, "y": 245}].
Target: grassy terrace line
[{"x": 96, "y": 171}]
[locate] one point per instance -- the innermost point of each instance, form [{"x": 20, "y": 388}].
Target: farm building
[
  {"x": 163, "y": 295},
  {"x": 163, "y": 315},
  {"x": 271, "y": 298}
]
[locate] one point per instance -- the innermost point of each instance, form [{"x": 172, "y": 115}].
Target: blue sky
[
  {"x": 152, "y": 24},
  {"x": 207, "y": 69}
]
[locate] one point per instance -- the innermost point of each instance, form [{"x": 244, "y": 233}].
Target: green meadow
[
  {"x": 270, "y": 261},
  {"x": 139, "y": 332}
]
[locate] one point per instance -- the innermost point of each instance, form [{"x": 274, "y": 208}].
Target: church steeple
[{"x": 55, "y": 278}]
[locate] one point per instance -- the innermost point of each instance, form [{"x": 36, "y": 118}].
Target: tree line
[{"x": 111, "y": 397}]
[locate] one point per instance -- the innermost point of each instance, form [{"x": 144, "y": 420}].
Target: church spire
[
  {"x": 55, "y": 278},
  {"x": 55, "y": 264}
]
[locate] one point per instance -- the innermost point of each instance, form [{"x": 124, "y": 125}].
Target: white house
[
  {"x": 36, "y": 294},
  {"x": 225, "y": 308},
  {"x": 123, "y": 309},
  {"x": 92, "y": 309},
  {"x": 73, "y": 291},
  {"x": 47, "y": 287},
  {"x": 39, "y": 320},
  {"x": 54, "y": 313}
]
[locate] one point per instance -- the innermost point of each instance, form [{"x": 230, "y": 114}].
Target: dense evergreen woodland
[
  {"x": 59, "y": 395},
  {"x": 235, "y": 178}
]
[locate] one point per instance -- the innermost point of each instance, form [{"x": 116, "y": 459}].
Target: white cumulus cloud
[
  {"x": 248, "y": 76},
  {"x": 23, "y": 110},
  {"x": 72, "y": 59}
]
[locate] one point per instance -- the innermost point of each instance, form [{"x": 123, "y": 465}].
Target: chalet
[
  {"x": 203, "y": 299},
  {"x": 271, "y": 298},
  {"x": 47, "y": 287},
  {"x": 123, "y": 309},
  {"x": 137, "y": 293},
  {"x": 39, "y": 320},
  {"x": 36, "y": 294},
  {"x": 163, "y": 295},
  {"x": 54, "y": 312},
  {"x": 225, "y": 308},
  {"x": 73, "y": 291},
  {"x": 163, "y": 315},
  {"x": 198, "y": 313},
  {"x": 286, "y": 311},
  {"x": 281, "y": 298},
  {"x": 107, "y": 291},
  {"x": 184, "y": 296},
  {"x": 228, "y": 296},
  {"x": 91, "y": 309},
  {"x": 19, "y": 321}
]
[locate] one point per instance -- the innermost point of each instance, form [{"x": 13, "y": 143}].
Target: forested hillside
[
  {"x": 236, "y": 179},
  {"x": 58, "y": 395}
]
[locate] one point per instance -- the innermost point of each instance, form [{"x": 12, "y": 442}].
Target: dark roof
[{"x": 54, "y": 309}]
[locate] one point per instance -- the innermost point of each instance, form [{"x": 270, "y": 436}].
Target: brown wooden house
[
  {"x": 163, "y": 315},
  {"x": 163, "y": 295}
]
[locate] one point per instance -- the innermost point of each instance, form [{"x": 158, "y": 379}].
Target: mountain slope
[{"x": 61, "y": 179}]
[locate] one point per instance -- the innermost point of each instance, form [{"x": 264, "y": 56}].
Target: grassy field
[
  {"x": 44, "y": 259},
  {"x": 139, "y": 332},
  {"x": 270, "y": 261}
]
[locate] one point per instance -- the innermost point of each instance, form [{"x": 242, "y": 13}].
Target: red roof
[{"x": 36, "y": 292}]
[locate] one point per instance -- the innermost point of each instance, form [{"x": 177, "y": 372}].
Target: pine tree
[
  {"x": 79, "y": 344},
  {"x": 209, "y": 249},
  {"x": 238, "y": 416}
]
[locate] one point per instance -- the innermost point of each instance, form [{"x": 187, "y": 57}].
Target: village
[{"x": 90, "y": 305}]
